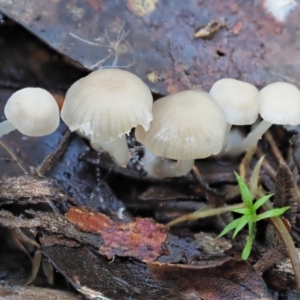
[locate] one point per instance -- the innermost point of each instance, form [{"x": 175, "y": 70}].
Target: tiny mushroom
[
  {"x": 279, "y": 103},
  {"x": 32, "y": 111},
  {"x": 105, "y": 106},
  {"x": 239, "y": 101},
  {"x": 186, "y": 126}
]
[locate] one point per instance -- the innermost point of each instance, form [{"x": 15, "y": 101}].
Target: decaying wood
[
  {"x": 32, "y": 293},
  {"x": 49, "y": 222},
  {"x": 27, "y": 189}
]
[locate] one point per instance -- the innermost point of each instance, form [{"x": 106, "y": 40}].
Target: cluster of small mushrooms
[{"x": 175, "y": 130}]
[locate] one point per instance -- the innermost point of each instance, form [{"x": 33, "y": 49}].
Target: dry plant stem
[
  {"x": 286, "y": 238},
  {"x": 233, "y": 193},
  {"x": 244, "y": 166},
  {"x": 36, "y": 261},
  {"x": 254, "y": 180},
  {"x": 266, "y": 164},
  {"x": 51, "y": 159},
  {"x": 198, "y": 176},
  {"x": 3, "y": 145},
  {"x": 204, "y": 213},
  {"x": 274, "y": 148},
  {"x": 284, "y": 235}
]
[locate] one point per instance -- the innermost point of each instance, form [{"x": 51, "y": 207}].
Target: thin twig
[
  {"x": 286, "y": 238},
  {"x": 266, "y": 164},
  {"x": 51, "y": 159},
  {"x": 274, "y": 147},
  {"x": 3, "y": 145},
  {"x": 244, "y": 166}
]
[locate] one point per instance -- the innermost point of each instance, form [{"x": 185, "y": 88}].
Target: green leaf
[
  {"x": 229, "y": 227},
  {"x": 245, "y": 192},
  {"x": 247, "y": 248},
  {"x": 243, "y": 221},
  {"x": 272, "y": 213},
  {"x": 244, "y": 211},
  {"x": 261, "y": 201}
]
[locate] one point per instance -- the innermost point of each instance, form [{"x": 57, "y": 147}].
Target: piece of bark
[
  {"x": 27, "y": 189},
  {"x": 51, "y": 223},
  {"x": 8, "y": 292},
  {"x": 143, "y": 238}
]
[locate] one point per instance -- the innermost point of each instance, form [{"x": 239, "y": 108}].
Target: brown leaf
[
  {"x": 36, "y": 261},
  {"x": 157, "y": 37},
  {"x": 285, "y": 194},
  {"x": 143, "y": 239},
  {"x": 231, "y": 280}
]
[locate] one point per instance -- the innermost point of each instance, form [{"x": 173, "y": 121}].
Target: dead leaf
[
  {"x": 157, "y": 36},
  {"x": 209, "y": 29},
  {"x": 285, "y": 192},
  {"x": 143, "y": 239},
  {"x": 36, "y": 261},
  {"x": 231, "y": 280}
]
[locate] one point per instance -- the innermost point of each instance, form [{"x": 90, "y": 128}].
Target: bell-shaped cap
[
  {"x": 106, "y": 104},
  {"x": 238, "y": 99},
  {"x": 279, "y": 103},
  {"x": 186, "y": 125},
  {"x": 33, "y": 111}
]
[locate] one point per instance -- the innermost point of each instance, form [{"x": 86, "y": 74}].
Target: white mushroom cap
[
  {"x": 33, "y": 111},
  {"x": 106, "y": 104},
  {"x": 186, "y": 125},
  {"x": 279, "y": 103},
  {"x": 238, "y": 99}
]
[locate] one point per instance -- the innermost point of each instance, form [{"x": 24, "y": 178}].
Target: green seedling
[{"x": 250, "y": 215}]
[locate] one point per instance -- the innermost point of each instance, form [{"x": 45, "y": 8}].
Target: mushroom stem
[
  {"x": 120, "y": 150},
  {"x": 184, "y": 167},
  {"x": 225, "y": 142},
  {"x": 6, "y": 127},
  {"x": 162, "y": 167},
  {"x": 251, "y": 140},
  {"x": 117, "y": 148}
]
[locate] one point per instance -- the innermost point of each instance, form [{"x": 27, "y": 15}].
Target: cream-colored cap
[
  {"x": 279, "y": 103},
  {"x": 238, "y": 99},
  {"x": 106, "y": 104},
  {"x": 33, "y": 111},
  {"x": 186, "y": 125}
]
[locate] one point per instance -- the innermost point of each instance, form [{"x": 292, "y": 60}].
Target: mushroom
[
  {"x": 186, "y": 126},
  {"x": 105, "y": 106},
  {"x": 32, "y": 111},
  {"x": 239, "y": 101},
  {"x": 279, "y": 103}
]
